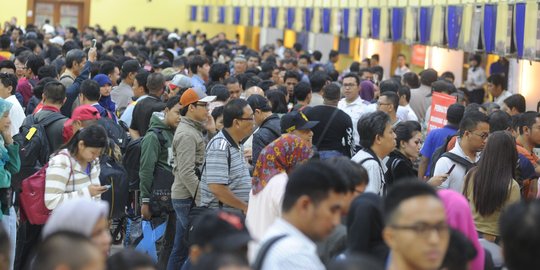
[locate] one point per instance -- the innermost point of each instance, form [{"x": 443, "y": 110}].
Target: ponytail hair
[{"x": 92, "y": 136}]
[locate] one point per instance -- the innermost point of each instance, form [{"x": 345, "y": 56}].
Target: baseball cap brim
[
  {"x": 308, "y": 125},
  {"x": 208, "y": 99}
]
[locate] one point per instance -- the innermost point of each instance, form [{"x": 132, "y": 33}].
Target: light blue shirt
[
  {"x": 128, "y": 113},
  {"x": 198, "y": 83}
]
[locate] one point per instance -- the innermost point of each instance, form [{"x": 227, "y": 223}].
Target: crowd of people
[{"x": 267, "y": 159}]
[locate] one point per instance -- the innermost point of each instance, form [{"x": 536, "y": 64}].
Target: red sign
[
  {"x": 439, "y": 106},
  {"x": 418, "y": 55}
]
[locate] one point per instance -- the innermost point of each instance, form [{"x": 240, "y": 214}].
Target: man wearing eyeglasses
[
  {"x": 416, "y": 230},
  {"x": 352, "y": 104},
  {"x": 473, "y": 134}
]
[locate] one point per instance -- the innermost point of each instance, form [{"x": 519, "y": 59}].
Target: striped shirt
[
  {"x": 219, "y": 151},
  {"x": 59, "y": 186}
]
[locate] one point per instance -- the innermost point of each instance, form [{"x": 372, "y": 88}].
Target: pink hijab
[{"x": 458, "y": 214}]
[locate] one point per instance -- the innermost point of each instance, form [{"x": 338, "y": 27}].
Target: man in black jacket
[{"x": 268, "y": 123}]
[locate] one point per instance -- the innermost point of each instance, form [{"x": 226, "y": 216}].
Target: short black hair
[
  {"x": 107, "y": 67},
  {"x": 405, "y": 90},
  {"x": 331, "y": 92},
  {"x": 405, "y": 131},
  {"x": 527, "y": 119},
  {"x": 402, "y": 191},
  {"x": 220, "y": 91},
  {"x": 393, "y": 98},
  {"x": 352, "y": 75},
  {"x": 173, "y": 101},
  {"x": 68, "y": 46},
  {"x": 333, "y": 53},
  {"x": 519, "y": 232},
  {"x": 155, "y": 82},
  {"x": 291, "y": 74},
  {"x": 75, "y": 55},
  {"x": 8, "y": 80},
  {"x": 317, "y": 55},
  {"x": 8, "y": 64},
  {"x": 354, "y": 173},
  {"x": 55, "y": 92},
  {"x": 516, "y": 101},
  {"x": 314, "y": 179},
  {"x": 443, "y": 86},
  {"x": 375, "y": 57},
  {"x": 234, "y": 109},
  {"x": 5, "y": 41},
  {"x": 471, "y": 120},
  {"x": 389, "y": 85},
  {"x": 217, "y": 112},
  {"x": 428, "y": 76},
  {"x": 34, "y": 62},
  {"x": 370, "y": 125},
  {"x": 318, "y": 80},
  {"x": 90, "y": 90},
  {"x": 302, "y": 90},
  {"x": 53, "y": 249},
  {"x": 448, "y": 75},
  {"x": 278, "y": 99},
  {"x": 499, "y": 120},
  {"x": 355, "y": 67},
  {"x": 460, "y": 251},
  {"x": 197, "y": 61},
  {"x": 218, "y": 71},
  {"x": 47, "y": 71},
  {"x": 129, "y": 259},
  {"x": 142, "y": 79}
]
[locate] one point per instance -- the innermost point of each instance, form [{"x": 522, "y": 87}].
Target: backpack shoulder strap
[
  {"x": 263, "y": 251},
  {"x": 457, "y": 159},
  {"x": 51, "y": 118},
  {"x": 159, "y": 134},
  {"x": 366, "y": 159},
  {"x": 326, "y": 127}
]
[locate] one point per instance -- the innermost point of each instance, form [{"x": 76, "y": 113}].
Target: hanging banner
[
  {"x": 375, "y": 22},
  {"x": 308, "y": 18},
  {"x": 193, "y": 16},
  {"x": 273, "y": 17},
  {"x": 325, "y": 20},
  {"x": 221, "y": 14},
  {"x": 206, "y": 13},
  {"x": 520, "y": 28},
  {"x": 453, "y": 24},
  {"x": 261, "y": 17},
  {"x": 439, "y": 105},
  {"x": 490, "y": 23},
  {"x": 398, "y": 24},
  {"x": 359, "y": 22},
  {"x": 237, "y": 13},
  {"x": 345, "y": 13},
  {"x": 291, "y": 12},
  {"x": 424, "y": 25},
  {"x": 251, "y": 16}
]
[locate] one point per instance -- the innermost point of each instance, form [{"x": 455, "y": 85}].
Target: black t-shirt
[
  {"x": 339, "y": 136},
  {"x": 143, "y": 112}
]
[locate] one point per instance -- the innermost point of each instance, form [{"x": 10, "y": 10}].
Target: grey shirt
[{"x": 121, "y": 95}]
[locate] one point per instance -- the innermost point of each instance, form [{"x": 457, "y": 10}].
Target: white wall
[
  {"x": 443, "y": 60},
  {"x": 368, "y": 47}
]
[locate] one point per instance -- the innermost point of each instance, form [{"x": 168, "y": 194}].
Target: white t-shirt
[
  {"x": 16, "y": 115},
  {"x": 355, "y": 110}
]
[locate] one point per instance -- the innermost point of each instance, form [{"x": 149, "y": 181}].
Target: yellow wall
[
  {"x": 10, "y": 8},
  {"x": 169, "y": 14}
]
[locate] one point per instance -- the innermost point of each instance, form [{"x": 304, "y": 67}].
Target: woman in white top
[
  {"x": 73, "y": 171},
  {"x": 275, "y": 161},
  {"x": 476, "y": 78}
]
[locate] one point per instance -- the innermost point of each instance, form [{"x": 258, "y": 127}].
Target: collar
[
  {"x": 229, "y": 138},
  {"x": 459, "y": 151},
  {"x": 50, "y": 108},
  {"x": 358, "y": 101},
  {"x": 285, "y": 226},
  {"x": 193, "y": 123},
  {"x": 272, "y": 116},
  {"x": 141, "y": 97},
  {"x": 198, "y": 78}
]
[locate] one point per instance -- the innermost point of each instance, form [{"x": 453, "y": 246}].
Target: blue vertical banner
[
  {"x": 273, "y": 16},
  {"x": 237, "y": 15},
  {"x": 375, "y": 22},
  {"x": 193, "y": 14},
  {"x": 291, "y": 13},
  {"x": 251, "y": 16},
  {"x": 490, "y": 23},
  {"x": 261, "y": 17},
  {"x": 206, "y": 13},
  {"x": 398, "y": 15},
  {"x": 453, "y": 25},
  {"x": 308, "y": 18},
  {"x": 345, "y": 14},
  {"x": 424, "y": 25},
  {"x": 326, "y": 17},
  {"x": 344, "y": 45},
  {"x": 520, "y": 27},
  {"x": 221, "y": 14},
  {"x": 359, "y": 22}
]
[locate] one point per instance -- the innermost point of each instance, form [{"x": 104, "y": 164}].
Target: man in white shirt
[
  {"x": 474, "y": 131},
  {"x": 311, "y": 209},
  {"x": 8, "y": 84},
  {"x": 352, "y": 104},
  {"x": 404, "y": 94},
  {"x": 378, "y": 140},
  {"x": 401, "y": 66},
  {"x": 140, "y": 91},
  {"x": 496, "y": 85}
]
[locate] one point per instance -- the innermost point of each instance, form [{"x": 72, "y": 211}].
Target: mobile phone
[
  {"x": 451, "y": 169},
  {"x": 94, "y": 41},
  {"x": 107, "y": 187}
]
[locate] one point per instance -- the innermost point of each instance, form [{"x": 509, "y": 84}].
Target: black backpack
[
  {"x": 459, "y": 161},
  {"x": 116, "y": 132},
  {"x": 34, "y": 145},
  {"x": 114, "y": 174},
  {"x": 438, "y": 154}
]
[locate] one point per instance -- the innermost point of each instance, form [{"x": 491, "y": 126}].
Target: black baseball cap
[
  {"x": 296, "y": 121},
  {"x": 223, "y": 231},
  {"x": 258, "y": 102}
]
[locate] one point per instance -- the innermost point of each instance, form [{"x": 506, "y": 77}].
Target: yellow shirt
[
  {"x": 490, "y": 224},
  {"x": 6, "y": 54}
]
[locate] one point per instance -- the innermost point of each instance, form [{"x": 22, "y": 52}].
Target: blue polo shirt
[{"x": 435, "y": 139}]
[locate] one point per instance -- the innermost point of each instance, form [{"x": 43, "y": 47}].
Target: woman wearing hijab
[
  {"x": 9, "y": 156},
  {"x": 84, "y": 216},
  {"x": 275, "y": 161},
  {"x": 365, "y": 224},
  {"x": 459, "y": 217},
  {"x": 367, "y": 91}
]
